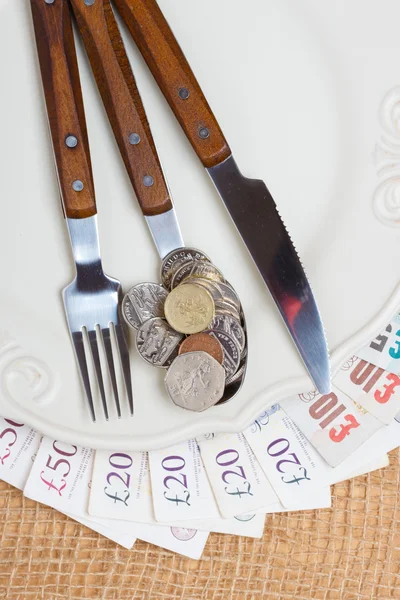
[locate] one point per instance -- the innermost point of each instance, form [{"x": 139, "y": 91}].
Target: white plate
[{"x": 306, "y": 95}]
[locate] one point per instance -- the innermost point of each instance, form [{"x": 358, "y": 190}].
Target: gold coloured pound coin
[{"x": 189, "y": 308}]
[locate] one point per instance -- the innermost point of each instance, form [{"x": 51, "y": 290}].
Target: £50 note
[
  {"x": 18, "y": 446},
  {"x": 334, "y": 424},
  {"x": 237, "y": 479},
  {"x": 375, "y": 389}
]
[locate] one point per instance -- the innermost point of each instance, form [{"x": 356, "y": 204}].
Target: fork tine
[
  {"x": 77, "y": 339},
  {"x": 105, "y": 333},
  {"x": 126, "y": 369},
  {"x": 97, "y": 365}
]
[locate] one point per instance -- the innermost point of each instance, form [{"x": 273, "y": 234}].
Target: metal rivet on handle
[
  {"x": 77, "y": 185},
  {"x": 88, "y": 2},
  {"x": 134, "y": 139},
  {"x": 183, "y": 93},
  {"x": 148, "y": 180},
  {"x": 204, "y": 133},
  {"x": 49, "y": 1},
  {"x": 71, "y": 141}
]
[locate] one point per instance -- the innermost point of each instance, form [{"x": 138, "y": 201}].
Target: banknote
[
  {"x": 248, "y": 525},
  {"x": 236, "y": 477},
  {"x": 293, "y": 467},
  {"x": 375, "y": 389},
  {"x": 384, "y": 350},
  {"x": 334, "y": 424},
  {"x": 18, "y": 446},
  {"x": 186, "y": 541},
  {"x": 121, "y": 487},
  {"x": 61, "y": 478},
  {"x": 17, "y": 464},
  {"x": 180, "y": 487},
  {"x": 129, "y": 497},
  {"x": 373, "y": 465}
]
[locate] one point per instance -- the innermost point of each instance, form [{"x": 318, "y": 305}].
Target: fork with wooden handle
[{"x": 92, "y": 300}]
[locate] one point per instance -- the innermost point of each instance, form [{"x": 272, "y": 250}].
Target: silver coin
[
  {"x": 231, "y": 351},
  {"x": 170, "y": 262},
  {"x": 232, "y": 326},
  {"x": 193, "y": 269},
  {"x": 195, "y": 381},
  {"x": 207, "y": 284},
  {"x": 224, "y": 308},
  {"x": 239, "y": 373},
  {"x": 229, "y": 294},
  {"x": 157, "y": 342},
  {"x": 143, "y": 302}
]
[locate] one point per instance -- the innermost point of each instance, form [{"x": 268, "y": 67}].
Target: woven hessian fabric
[{"x": 351, "y": 551}]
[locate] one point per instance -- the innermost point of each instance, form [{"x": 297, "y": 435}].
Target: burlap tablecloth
[{"x": 351, "y": 551}]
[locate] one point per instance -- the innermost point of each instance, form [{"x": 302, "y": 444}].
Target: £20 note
[
  {"x": 180, "y": 487},
  {"x": 291, "y": 464},
  {"x": 121, "y": 486},
  {"x": 237, "y": 479}
]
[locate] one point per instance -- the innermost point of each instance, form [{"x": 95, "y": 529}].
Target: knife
[{"x": 248, "y": 201}]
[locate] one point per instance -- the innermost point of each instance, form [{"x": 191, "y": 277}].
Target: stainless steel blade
[
  {"x": 256, "y": 217},
  {"x": 166, "y": 232}
]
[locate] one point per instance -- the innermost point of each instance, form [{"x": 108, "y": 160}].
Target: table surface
[{"x": 348, "y": 552}]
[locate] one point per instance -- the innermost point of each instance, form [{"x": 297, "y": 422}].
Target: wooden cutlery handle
[
  {"x": 62, "y": 89},
  {"x": 175, "y": 78},
  {"x": 116, "y": 83}
]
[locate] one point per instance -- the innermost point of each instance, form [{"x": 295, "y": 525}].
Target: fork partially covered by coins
[{"x": 193, "y": 325}]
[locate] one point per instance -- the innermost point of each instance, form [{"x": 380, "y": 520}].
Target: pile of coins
[{"x": 193, "y": 326}]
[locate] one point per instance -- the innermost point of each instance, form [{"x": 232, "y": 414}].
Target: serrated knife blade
[
  {"x": 256, "y": 217},
  {"x": 248, "y": 200}
]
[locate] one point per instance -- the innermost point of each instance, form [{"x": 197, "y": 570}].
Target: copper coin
[{"x": 203, "y": 342}]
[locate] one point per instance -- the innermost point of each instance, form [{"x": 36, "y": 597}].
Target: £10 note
[
  {"x": 121, "y": 486},
  {"x": 375, "y": 389},
  {"x": 384, "y": 350},
  {"x": 180, "y": 487},
  {"x": 237, "y": 479},
  {"x": 334, "y": 424},
  {"x": 293, "y": 467},
  {"x": 18, "y": 446}
]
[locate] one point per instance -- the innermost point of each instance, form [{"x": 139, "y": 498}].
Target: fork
[{"x": 92, "y": 301}]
